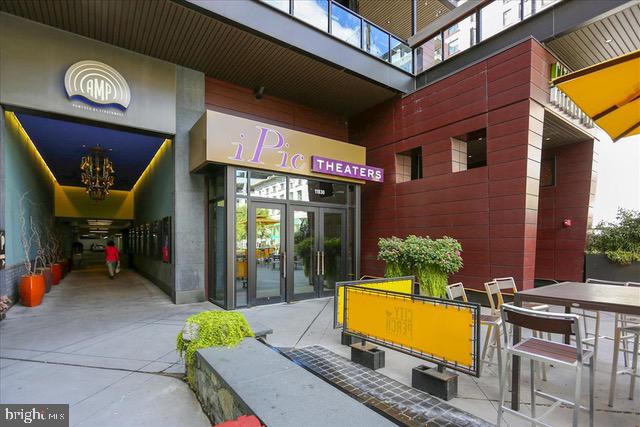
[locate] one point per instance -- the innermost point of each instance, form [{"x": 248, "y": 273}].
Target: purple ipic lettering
[
  {"x": 260, "y": 145},
  {"x": 346, "y": 169}
]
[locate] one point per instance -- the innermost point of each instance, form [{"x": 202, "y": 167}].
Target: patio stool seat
[
  {"x": 535, "y": 306},
  {"x": 560, "y": 352},
  {"x": 489, "y": 318}
]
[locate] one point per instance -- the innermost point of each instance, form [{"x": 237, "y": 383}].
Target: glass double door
[{"x": 295, "y": 252}]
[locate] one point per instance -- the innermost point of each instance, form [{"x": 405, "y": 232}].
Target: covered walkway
[{"x": 106, "y": 347}]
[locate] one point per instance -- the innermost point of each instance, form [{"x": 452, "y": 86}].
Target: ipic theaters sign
[{"x": 227, "y": 139}]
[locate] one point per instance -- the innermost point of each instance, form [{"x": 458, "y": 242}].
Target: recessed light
[
  {"x": 547, "y": 139},
  {"x": 608, "y": 41}
]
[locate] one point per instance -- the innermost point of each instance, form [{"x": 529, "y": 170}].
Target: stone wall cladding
[
  {"x": 10, "y": 279},
  {"x": 217, "y": 398}
]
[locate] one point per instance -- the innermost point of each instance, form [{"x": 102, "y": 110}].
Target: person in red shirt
[{"x": 112, "y": 256}]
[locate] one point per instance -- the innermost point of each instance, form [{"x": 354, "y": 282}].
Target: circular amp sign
[{"x": 97, "y": 83}]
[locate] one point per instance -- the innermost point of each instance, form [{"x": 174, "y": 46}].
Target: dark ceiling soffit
[
  {"x": 564, "y": 17},
  {"x": 280, "y": 28}
]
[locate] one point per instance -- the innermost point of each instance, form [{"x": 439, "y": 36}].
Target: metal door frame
[{"x": 252, "y": 299}]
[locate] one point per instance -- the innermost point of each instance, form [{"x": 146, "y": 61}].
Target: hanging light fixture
[{"x": 97, "y": 173}]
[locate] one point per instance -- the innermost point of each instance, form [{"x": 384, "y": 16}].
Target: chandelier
[{"x": 97, "y": 173}]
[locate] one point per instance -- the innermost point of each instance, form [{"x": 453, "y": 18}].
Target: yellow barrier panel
[
  {"x": 437, "y": 330},
  {"x": 403, "y": 285}
]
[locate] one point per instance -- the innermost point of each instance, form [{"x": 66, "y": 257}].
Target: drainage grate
[{"x": 405, "y": 404}]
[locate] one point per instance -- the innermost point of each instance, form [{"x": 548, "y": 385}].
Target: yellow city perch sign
[
  {"x": 405, "y": 285},
  {"x": 441, "y": 331}
]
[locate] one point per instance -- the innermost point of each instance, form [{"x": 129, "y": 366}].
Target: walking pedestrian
[{"x": 112, "y": 256}]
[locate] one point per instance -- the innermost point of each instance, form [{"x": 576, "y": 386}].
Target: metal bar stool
[
  {"x": 491, "y": 321},
  {"x": 627, "y": 328},
  {"x": 507, "y": 283},
  {"x": 543, "y": 351}
]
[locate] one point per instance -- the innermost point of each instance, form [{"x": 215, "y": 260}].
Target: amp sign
[{"x": 97, "y": 83}]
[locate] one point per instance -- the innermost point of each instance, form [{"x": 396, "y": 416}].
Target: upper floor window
[
  {"x": 469, "y": 151},
  {"x": 454, "y": 47},
  {"x": 409, "y": 165},
  {"x": 453, "y": 29}
]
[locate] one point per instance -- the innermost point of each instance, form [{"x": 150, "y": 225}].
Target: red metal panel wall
[
  {"x": 240, "y": 101},
  {"x": 492, "y": 210},
  {"x": 560, "y": 250}
]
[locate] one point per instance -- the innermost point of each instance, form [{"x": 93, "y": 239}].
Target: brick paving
[{"x": 407, "y": 405}]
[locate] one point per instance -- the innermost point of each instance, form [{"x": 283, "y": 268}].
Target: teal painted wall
[
  {"x": 23, "y": 171},
  {"x": 153, "y": 200}
]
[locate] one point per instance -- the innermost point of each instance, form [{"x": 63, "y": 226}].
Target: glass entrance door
[
  {"x": 317, "y": 248},
  {"x": 267, "y": 258}
]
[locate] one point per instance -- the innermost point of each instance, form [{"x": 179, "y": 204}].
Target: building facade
[{"x": 261, "y": 148}]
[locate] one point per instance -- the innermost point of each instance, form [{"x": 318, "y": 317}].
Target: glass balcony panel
[
  {"x": 528, "y": 8},
  {"x": 429, "y": 54},
  {"x": 283, "y": 5},
  {"x": 376, "y": 41},
  {"x": 401, "y": 55},
  {"x": 313, "y": 12},
  {"x": 346, "y": 25},
  {"x": 460, "y": 37},
  {"x": 543, "y": 4},
  {"x": 497, "y": 16}
]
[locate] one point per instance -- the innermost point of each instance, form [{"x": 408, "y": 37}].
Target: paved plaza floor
[{"x": 107, "y": 348}]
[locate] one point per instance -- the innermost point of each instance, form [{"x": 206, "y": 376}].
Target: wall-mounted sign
[
  {"x": 97, "y": 83},
  {"x": 346, "y": 169},
  {"x": 227, "y": 139}
]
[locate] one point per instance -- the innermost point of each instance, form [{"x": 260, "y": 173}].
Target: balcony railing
[
  {"x": 479, "y": 24},
  {"x": 349, "y": 27}
]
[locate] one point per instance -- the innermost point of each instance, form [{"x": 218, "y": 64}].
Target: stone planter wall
[{"x": 598, "y": 266}]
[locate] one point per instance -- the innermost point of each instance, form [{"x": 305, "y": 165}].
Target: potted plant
[
  {"x": 613, "y": 248},
  {"x": 210, "y": 329},
  {"x": 45, "y": 270},
  {"x": 56, "y": 266},
  {"x": 32, "y": 286},
  {"x": 430, "y": 261}
]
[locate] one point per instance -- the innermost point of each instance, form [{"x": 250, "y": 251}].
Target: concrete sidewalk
[
  {"x": 310, "y": 323},
  {"x": 105, "y": 347}
]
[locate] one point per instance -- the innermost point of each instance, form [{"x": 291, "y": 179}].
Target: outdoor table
[{"x": 588, "y": 296}]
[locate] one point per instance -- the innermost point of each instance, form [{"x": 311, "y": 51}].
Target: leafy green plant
[
  {"x": 619, "y": 240},
  {"x": 215, "y": 329},
  {"x": 431, "y": 261}
]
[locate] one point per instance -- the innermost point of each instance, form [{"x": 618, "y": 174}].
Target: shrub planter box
[{"x": 598, "y": 266}]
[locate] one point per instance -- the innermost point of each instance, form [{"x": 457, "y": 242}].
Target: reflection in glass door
[
  {"x": 303, "y": 263},
  {"x": 332, "y": 249},
  {"x": 266, "y": 256}
]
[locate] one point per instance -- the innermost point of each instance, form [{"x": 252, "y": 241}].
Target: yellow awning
[{"x": 609, "y": 93}]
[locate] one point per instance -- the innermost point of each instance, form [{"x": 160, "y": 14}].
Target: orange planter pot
[
  {"x": 31, "y": 290},
  {"x": 48, "y": 278},
  {"x": 56, "y": 272}
]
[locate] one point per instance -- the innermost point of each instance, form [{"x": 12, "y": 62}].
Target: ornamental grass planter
[
  {"x": 48, "y": 278},
  {"x": 599, "y": 266},
  {"x": 31, "y": 290},
  {"x": 56, "y": 271}
]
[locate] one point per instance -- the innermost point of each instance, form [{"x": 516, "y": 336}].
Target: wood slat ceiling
[
  {"x": 588, "y": 45},
  {"x": 395, "y": 15},
  {"x": 174, "y": 33}
]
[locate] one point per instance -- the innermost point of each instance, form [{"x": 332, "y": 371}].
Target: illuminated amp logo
[{"x": 97, "y": 83}]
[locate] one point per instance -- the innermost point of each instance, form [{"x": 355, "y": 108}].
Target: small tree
[
  {"x": 619, "y": 240},
  {"x": 29, "y": 233}
]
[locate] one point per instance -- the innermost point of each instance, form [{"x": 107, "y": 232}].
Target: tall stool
[
  {"x": 592, "y": 339},
  {"x": 543, "y": 351},
  {"x": 491, "y": 321},
  {"x": 507, "y": 283},
  {"x": 627, "y": 328}
]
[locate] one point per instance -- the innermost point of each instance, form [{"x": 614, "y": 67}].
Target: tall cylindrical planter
[
  {"x": 31, "y": 290},
  {"x": 56, "y": 271},
  {"x": 48, "y": 278}
]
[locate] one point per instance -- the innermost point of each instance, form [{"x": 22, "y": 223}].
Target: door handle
[
  {"x": 323, "y": 263},
  {"x": 283, "y": 264},
  {"x": 317, "y": 263}
]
